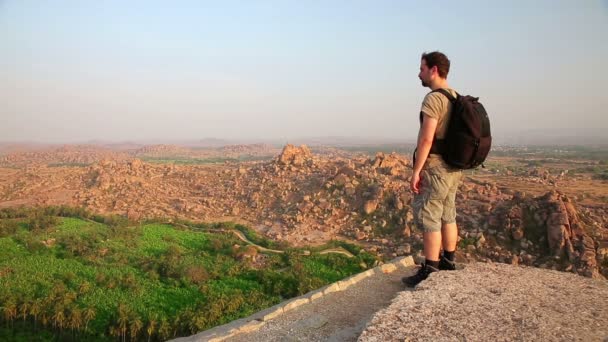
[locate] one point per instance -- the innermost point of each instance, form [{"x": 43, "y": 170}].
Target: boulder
[{"x": 296, "y": 156}]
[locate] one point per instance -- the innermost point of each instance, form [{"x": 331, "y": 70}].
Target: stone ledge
[
  {"x": 358, "y": 277},
  {"x": 345, "y": 283},
  {"x": 269, "y": 313},
  {"x": 257, "y": 320},
  {"x": 251, "y": 326},
  {"x": 219, "y": 333},
  {"x": 294, "y": 303},
  {"x": 314, "y": 295},
  {"x": 335, "y": 287}
]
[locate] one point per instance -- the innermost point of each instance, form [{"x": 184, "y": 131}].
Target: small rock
[
  {"x": 406, "y": 249},
  {"x": 480, "y": 241},
  {"x": 370, "y": 206},
  {"x": 517, "y": 234}
]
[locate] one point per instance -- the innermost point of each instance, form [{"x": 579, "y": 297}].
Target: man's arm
[{"x": 425, "y": 141}]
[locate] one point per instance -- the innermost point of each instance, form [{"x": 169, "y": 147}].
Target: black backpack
[{"x": 468, "y": 140}]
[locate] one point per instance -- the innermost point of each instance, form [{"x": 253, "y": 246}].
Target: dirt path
[
  {"x": 338, "y": 316},
  {"x": 242, "y": 237}
]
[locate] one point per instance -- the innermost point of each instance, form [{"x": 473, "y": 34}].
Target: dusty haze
[{"x": 287, "y": 70}]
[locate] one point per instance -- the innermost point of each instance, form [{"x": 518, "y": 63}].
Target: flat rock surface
[
  {"x": 338, "y": 316},
  {"x": 496, "y": 302}
]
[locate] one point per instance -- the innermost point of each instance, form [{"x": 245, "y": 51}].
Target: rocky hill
[
  {"x": 60, "y": 156},
  {"x": 307, "y": 198}
]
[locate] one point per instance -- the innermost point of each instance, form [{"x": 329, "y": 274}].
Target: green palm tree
[
  {"x": 44, "y": 318},
  {"x": 150, "y": 329},
  {"x": 222, "y": 301},
  {"x": 35, "y": 310},
  {"x": 176, "y": 324},
  {"x": 69, "y": 298},
  {"x": 10, "y": 311},
  {"x": 24, "y": 309},
  {"x": 114, "y": 331},
  {"x": 197, "y": 323},
  {"x": 59, "y": 318},
  {"x": 84, "y": 287},
  {"x": 123, "y": 322},
  {"x": 136, "y": 326},
  {"x": 76, "y": 319},
  {"x": 89, "y": 314},
  {"x": 164, "y": 329}
]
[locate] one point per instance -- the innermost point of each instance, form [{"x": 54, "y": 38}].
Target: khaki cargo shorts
[{"x": 435, "y": 203}]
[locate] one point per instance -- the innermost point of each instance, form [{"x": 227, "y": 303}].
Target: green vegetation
[
  {"x": 464, "y": 242},
  {"x": 599, "y": 153},
  {"x": 371, "y": 150},
  {"x": 68, "y": 275},
  {"x": 598, "y": 172}
]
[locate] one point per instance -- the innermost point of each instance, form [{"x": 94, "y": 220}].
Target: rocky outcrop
[
  {"x": 292, "y": 155},
  {"x": 495, "y": 302},
  {"x": 551, "y": 224},
  {"x": 566, "y": 234},
  {"x": 391, "y": 164}
]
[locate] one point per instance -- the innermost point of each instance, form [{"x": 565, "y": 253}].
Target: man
[{"x": 433, "y": 182}]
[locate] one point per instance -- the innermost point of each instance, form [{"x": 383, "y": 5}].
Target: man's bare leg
[
  {"x": 432, "y": 245},
  {"x": 449, "y": 236}
]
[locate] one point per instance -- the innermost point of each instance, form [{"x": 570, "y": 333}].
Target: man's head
[{"x": 433, "y": 65}]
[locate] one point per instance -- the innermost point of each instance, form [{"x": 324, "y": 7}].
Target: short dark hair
[{"x": 439, "y": 60}]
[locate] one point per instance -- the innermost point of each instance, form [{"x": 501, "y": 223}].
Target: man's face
[{"x": 426, "y": 74}]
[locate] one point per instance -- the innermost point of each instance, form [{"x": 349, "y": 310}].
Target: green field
[{"x": 68, "y": 275}]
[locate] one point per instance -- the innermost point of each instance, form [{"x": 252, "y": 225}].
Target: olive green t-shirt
[{"x": 437, "y": 106}]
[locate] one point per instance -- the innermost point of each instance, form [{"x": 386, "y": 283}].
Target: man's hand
[{"x": 415, "y": 182}]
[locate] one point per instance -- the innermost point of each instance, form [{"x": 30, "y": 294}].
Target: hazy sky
[{"x": 131, "y": 70}]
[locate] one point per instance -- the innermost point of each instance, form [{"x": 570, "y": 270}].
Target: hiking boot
[
  {"x": 446, "y": 265},
  {"x": 423, "y": 273}
]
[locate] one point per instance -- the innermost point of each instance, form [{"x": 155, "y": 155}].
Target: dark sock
[
  {"x": 449, "y": 255},
  {"x": 432, "y": 263}
]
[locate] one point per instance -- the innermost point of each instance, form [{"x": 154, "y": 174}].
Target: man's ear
[{"x": 434, "y": 70}]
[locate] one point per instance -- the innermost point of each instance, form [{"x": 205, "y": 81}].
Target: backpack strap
[
  {"x": 439, "y": 144},
  {"x": 446, "y": 94}
]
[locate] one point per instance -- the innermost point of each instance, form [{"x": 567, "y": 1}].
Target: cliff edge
[{"x": 496, "y": 302}]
